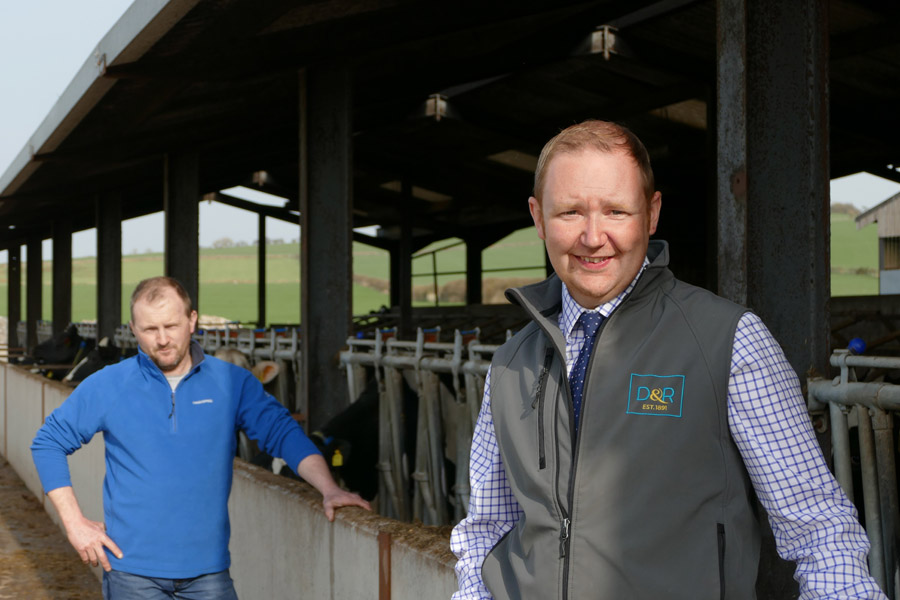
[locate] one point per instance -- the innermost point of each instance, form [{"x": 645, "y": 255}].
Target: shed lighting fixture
[
  {"x": 436, "y": 106},
  {"x": 603, "y": 41},
  {"x": 260, "y": 178}
]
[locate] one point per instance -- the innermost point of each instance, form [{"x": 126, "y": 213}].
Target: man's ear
[
  {"x": 537, "y": 215},
  {"x": 193, "y": 321},
  {"x": 655, "y": 206}
]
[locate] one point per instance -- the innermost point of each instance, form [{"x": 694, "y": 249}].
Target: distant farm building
[{"x": 887, "y": 215}]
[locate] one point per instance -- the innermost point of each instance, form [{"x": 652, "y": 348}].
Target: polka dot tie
[{"x": 590, "y": 323}]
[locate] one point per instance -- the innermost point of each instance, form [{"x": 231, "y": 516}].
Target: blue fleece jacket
[{"x": 168, "y": 456}]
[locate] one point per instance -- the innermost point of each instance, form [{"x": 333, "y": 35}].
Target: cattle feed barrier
[
  {"x": 44, "y": 332},
  {"x": 871, "y": 407},
  {"x": 281, "y": 544},
  {"x": 447, "y": 411}
]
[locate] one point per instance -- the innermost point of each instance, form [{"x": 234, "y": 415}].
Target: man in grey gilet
[{"x": 625, "y": 429}]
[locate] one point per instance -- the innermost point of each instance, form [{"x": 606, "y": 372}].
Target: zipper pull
[
  {"x": 542, "y": 377},
  {"x": 564, "y": 536},
  {"x": 173, "y": 405}
]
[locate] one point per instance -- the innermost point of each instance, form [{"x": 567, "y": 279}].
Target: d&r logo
[{"x": 655, "y": 395}]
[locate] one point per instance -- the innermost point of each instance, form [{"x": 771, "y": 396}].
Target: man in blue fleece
[{"x": 168, "y": 417}]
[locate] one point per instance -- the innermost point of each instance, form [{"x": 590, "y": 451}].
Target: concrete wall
[
  {"x": 282, "y": 546},
  {"x": 86, "y": 466},
  {"x": 3, "y": 408},
  {"x": 27, "y": 400},
  {"x": 24, "y": 414},
  {"x": 317, "y": 559}
]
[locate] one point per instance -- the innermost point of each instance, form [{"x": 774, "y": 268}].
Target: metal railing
[
  {"x": 44, "y": 332},
  {"x": 447, "y": 410},
  {"x": 869, "y": 405}
]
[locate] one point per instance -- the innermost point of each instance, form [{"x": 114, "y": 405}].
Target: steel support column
[
  {"x": 401, "y": 279},
  {"x": 473, "y": 271},
  {"x": 181, "y": 201},
  {"x": 731, "y": 145},
  {"x": 326, "y": 234},
  {"x": 62, "y": 275},
  {"x": 772, "y": 153},
  {"x": 400, "y": 287},
  {"x": 261, "y": 272},
  {"x": 34, "y": 287},
  {"x": 789, "y": 283},
  {"x": 401, "y": 269},
  {"x": 109, "y": 265},
  {"x": 13, "y": 294}
]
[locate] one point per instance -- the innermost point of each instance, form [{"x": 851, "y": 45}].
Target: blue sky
[{"x": 43, "y": 43}]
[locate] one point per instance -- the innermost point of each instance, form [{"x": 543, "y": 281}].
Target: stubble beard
[{"x": 171, "y": 366}]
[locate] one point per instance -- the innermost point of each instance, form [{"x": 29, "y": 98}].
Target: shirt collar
[{"x": 571, "y": 310}]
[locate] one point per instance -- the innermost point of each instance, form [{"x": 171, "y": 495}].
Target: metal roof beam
[
  {"x": 650, "y": 12},
  {"x": 142, "y": 25},
  {"x": 281, "y": 214}
]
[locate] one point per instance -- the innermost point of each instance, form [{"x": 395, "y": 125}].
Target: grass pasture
[
  {"x": 854, "y": 258},
  {"x": 228, "y": 275}
]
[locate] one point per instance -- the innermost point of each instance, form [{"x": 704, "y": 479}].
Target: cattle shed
[
  {"x": 887, "y": 215},
  {"x": 426, "y": 119}
]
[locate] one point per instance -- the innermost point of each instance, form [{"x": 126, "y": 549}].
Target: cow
[
  {"x": 62, "y": 348},
  {"x": 102, "y": 355},
  {"x": 65, "y": 348},
  {"x": 264, "y": 370}
]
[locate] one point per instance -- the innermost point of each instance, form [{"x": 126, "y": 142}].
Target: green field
[
  {"x": 228, "y": 276},
  {"x": 854, "y": 258}
]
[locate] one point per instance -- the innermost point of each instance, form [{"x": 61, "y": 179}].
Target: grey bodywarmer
[{"x": 651, "y": 499}]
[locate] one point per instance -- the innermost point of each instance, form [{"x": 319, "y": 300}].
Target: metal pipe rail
[
  {"x": 844, "y": 359},
  {"x": 871, "y": 404},
  {"x": 419, "y": 359},
  {"x": 87, "y": 331},
  {"x": 882, "y": 396},
  {"x": 124, "y": 337},
  {"x": 281, "y": 345},
  {"x": 44, "y": 332}
]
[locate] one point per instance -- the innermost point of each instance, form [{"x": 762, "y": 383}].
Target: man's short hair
[
  {"x": 152, "y": 288},
  {"x": 602, "y": 136}
]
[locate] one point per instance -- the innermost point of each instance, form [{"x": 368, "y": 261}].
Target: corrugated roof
[{"x": 886, "y": 214}]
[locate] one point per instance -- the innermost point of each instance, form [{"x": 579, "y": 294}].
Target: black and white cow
[{"x": 102, "y": 355}]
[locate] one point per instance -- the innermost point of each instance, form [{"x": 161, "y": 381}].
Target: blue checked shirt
[{"x": 814, "y": 523}]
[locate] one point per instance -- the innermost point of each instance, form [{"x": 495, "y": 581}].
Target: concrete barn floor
[{"x": 36, "y": 560}]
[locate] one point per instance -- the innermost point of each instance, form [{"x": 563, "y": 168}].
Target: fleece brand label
[{"x": 657, "y": 395}]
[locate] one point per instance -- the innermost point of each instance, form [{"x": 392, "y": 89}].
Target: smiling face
[
  {"x": 163, "y": 330},
  {"x": 596, "y": 222}
]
